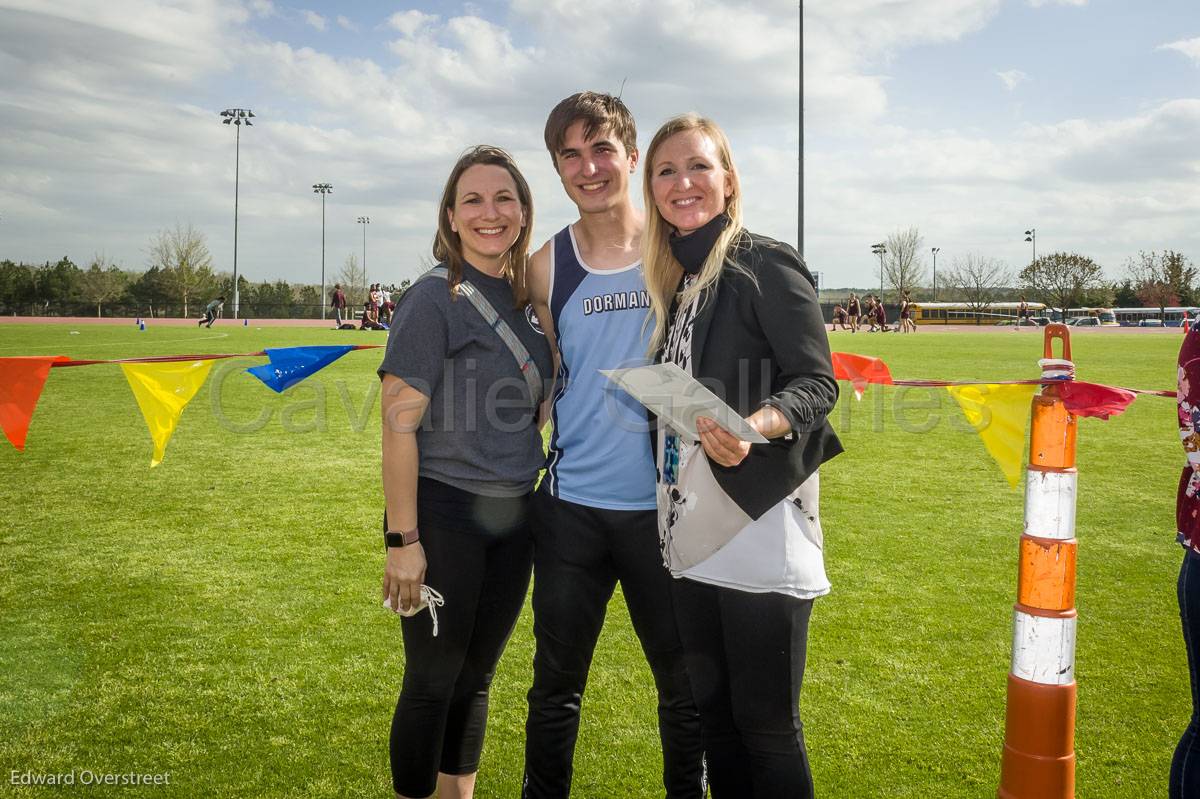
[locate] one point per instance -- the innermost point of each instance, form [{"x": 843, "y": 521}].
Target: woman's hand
[
  {"x": 721, "y": 446},
  {"x": 403, "y": 574},
  {"x": 727, "y": 449}
]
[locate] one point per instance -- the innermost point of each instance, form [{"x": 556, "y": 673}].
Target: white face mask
[{"x": 429, "y": 599}]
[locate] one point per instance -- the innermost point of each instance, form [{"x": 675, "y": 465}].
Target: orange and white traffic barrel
[{"x": 1039, "y": 736}]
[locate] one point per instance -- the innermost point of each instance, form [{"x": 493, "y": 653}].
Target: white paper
[{"x": 678, "y": 399}]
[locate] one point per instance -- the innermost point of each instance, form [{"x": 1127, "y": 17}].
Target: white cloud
[
  {"x": 1040, "y": 3},
  {"x": 848, "y": 46},
  {"x": 1189, "y": 47},
  {"x": 114, "y": 143},
  {"x": 263, "y": 8},
  {"x": 1105, "y": 188},
  {"x": 1010, "y": 78},
  {"x": 346, "y": 24},
  {"x": 410, "y": 22},
  {"x": 313, "y": 19}
]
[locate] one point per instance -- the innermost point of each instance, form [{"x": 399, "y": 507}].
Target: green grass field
[{"x": 218, "y": 617}]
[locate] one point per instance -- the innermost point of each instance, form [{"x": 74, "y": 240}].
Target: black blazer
[{"x": 759, "y": 339}]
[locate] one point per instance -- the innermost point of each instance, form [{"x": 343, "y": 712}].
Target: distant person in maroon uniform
[
  {"x": 839, "y": 318},
  {"x": 880, "y": 316},
  {"x": 338, "y": 303},
  {"x": 1185, "y": 767},
  {"x": 852, "y": 312},
  {"x": 907, "y": 324}
]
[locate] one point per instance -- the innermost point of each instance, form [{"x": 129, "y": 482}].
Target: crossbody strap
[{"x": 525, "y": 362}]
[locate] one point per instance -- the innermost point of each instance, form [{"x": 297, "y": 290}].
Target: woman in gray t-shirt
[{"x": 461, "y": 451}]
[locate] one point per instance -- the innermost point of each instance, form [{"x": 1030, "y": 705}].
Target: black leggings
[
  {"x": 479, "y": 557},
  {"x": 745, "y": 657},
  {"x": 1185, "y": 766}
]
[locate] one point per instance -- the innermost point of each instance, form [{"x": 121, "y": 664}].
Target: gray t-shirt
[{"x": 480, "y": 430}]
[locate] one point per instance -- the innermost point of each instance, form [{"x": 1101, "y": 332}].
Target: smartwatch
[{"x": 401, "y": 538}]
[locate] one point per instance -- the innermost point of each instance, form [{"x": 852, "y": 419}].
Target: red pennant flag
[
  {"x": 860, "y": 370},
  {"x": 1092, "y": 399},
  {"x": 21, "y": 381}
]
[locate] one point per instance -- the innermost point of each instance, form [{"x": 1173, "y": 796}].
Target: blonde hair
[
  {"x": 447, "y": 246},
  {"x": 663, "y": 271}
]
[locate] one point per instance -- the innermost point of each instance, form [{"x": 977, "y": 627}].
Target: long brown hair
[
  {"x": 663, "y": 272},
  {"x": 447, "y": 245}
]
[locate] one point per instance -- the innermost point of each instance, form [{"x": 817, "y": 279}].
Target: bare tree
[
  {"x": 102, "y": 282},
  {"x": 1161, "y": 280},
  {"x": 183, "y": 258},
  {"x": 1060, "y": 279},
  {"x": 903, "y": 266},
  {"x": 978, "y": 279},
  {"x": 353, "y": 278}
]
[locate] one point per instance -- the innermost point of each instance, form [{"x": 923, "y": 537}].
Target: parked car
[
  {"x": 1040, "y": 321},
  {"x": 1150, "y": 323},
  {"x": 1085, "y": 321}
]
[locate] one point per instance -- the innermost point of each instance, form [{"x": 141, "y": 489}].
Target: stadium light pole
[
  {"x": 1031, "y": 236},
  {"x": 935, "y": 251},
  {"x": 238, "y": 117},
  {"x": 322, "y": 189},
  {"x": 879, "y": 249},
  {"x": 364, "y": 221},
  {"x": 800, "y": 149}
]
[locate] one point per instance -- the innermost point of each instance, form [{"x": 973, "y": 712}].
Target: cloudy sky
[{"x": 970, "y": 119}]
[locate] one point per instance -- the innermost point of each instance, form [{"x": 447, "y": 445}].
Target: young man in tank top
[{"x": 594, "y": 517}]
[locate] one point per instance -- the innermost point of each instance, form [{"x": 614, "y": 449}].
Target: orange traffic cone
[{"x": 1039, "y": 742}]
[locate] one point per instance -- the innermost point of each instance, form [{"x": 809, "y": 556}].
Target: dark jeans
[
  {"x": 580, "y": 553},
  {"x": 1185, "y": 767},
  {"x": 478, "y": 556},
  {"x": 745, "y": 655}
]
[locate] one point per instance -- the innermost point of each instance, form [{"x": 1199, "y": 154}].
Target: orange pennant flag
[
  {"x": 21, "y": 381},
  {"x": 860, "y": 370}
]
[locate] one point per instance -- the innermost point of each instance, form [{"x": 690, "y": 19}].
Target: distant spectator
[
  {"x": 338, "y": 303},
  {"x": 210, "y": 312},
  {"x": 370, "y": 317},
  {"x": 880, "y": 316},
  {"x": 840, "y": 317}
]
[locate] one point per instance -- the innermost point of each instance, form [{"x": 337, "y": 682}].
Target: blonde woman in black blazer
[{"x": 739, "y": 523}]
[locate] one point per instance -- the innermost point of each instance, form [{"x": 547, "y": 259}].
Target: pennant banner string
[{"x": 213, "y": 357}]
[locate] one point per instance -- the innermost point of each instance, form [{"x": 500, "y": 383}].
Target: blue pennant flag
[{"x": 290, "y": 365}]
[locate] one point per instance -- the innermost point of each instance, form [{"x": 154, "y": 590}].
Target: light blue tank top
[{"x": 600, "y": 450}]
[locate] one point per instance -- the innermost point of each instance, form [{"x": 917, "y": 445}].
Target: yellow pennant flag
[
  {"x": 163, "y": 390},
  {"x": 1000, "y": 415}
]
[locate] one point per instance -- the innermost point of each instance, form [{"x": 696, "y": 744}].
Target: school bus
[{"x": 960, "y": 313}]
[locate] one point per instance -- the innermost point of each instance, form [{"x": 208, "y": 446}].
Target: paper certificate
[{"x": 677, "y": 398}]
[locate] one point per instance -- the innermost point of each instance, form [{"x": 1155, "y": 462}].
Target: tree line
[
  {"x": 1059, "y": 279},
  {"x": 178, "y": 280}
]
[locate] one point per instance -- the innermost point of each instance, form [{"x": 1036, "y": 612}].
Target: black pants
[
  {"x": 745, "y": 656},
  {"x": 580, "y": 553},
  {"x": 1185, "y": 766},
  {"x": 478, "y": 557}
]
